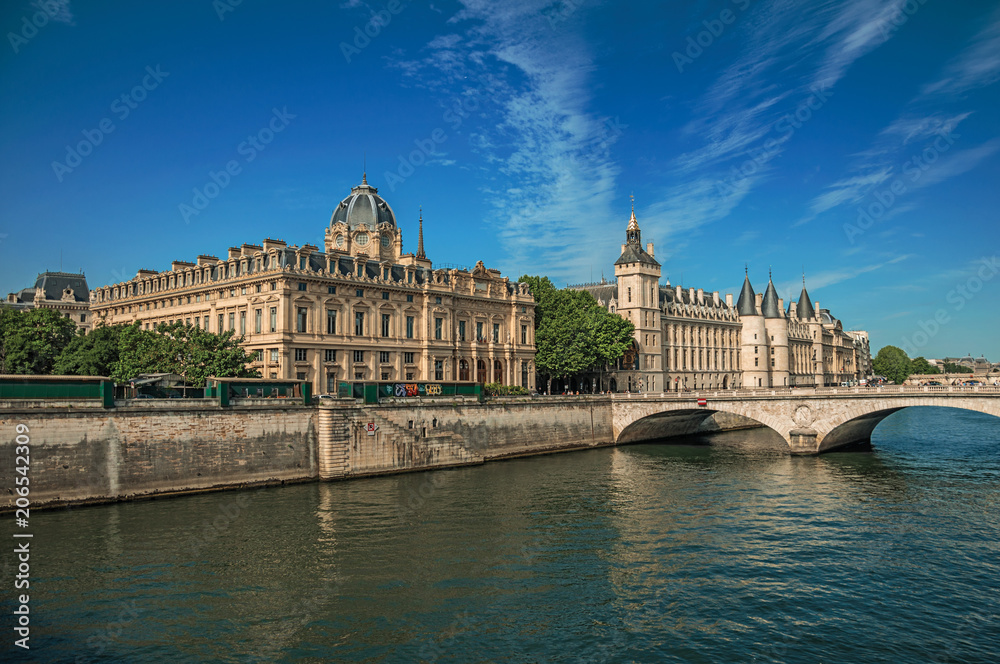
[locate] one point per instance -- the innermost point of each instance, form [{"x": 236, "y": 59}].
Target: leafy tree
[
  {"x": 32, "y": 339},
  {"x": 92, "y": 354},
  {"x": 893, "y": 363},
  {"x": 951, "y": 367},
  {"x": 921, "y": 366},
  {"x": 181, "y": 349},
  {"x": 573, "y": 333}
]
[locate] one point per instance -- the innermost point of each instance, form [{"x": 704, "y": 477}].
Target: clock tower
[{"x": 638, "y": 276}]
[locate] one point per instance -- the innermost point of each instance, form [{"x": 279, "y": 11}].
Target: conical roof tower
[{"x": 747, "y": 304}]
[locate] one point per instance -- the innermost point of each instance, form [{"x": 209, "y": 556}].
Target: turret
[
  {"x": 753, "y": 339},
  {"x": 776, "y": 327}
]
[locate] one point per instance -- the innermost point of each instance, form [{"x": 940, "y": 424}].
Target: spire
[
  {"x": 747, "y": 304},
  {"x": 420, "y": 238},
  {"x": 769, "y": 305},
  {"x": 364, "y": 170},
  {"x": 632, "y": 234},
  {"x": 804, "y": 307}
]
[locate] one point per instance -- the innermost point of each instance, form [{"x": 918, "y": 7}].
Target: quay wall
[{"x": 82, "y": 453}]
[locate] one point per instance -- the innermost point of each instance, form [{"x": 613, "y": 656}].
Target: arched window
[{"x": 463, "y": 370}]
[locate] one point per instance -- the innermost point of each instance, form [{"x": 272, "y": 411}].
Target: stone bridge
[{"x": 810, "y": 420}]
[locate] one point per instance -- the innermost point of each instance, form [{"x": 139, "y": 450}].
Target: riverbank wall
[{"x": 80, "y": 453}]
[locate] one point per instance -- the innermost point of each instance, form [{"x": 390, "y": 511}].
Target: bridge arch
[
  {"x": 859, "y": 428},
  {"x": 685, "y": 422}
]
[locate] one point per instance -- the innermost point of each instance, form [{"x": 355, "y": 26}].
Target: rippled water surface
[{"x": 637, "y": 554}]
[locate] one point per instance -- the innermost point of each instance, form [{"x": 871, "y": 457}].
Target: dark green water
[{"x": 636, "y": 554}]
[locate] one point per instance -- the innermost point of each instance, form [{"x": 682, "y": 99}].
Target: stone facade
[
  {"x": 65, "y": 292},
  {"x": 360, "y": 310},
  {"x": 687, "y": 339}
]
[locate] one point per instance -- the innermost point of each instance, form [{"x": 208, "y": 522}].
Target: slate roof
[
  {"x": 635, "y": 254},
  {"x": 54, "y": 283},
  {"x": 769, "y": 306},
  {"x": 747, "y": 304},
  {"x": 804, "y": 308}
]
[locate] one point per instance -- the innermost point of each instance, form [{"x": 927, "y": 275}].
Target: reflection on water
[{"x": 643, "y": 553}]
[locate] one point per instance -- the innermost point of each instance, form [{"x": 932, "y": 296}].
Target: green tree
[
  {"x": 893, "y": 363},
  {"x": 921, "y": 366},
  {"x": 951, "y": 367},
  {"x": 32, "y": 339},
  {"x": 573, "y": 333},
  {"x": 181, "y": 349},
  {"x": 92, "y": 354}
]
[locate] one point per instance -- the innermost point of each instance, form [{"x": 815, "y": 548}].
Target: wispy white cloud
[
  {"x": 57, "y": 10},
  {"x": 789, "y": 58},
  {"x": 977, "y": 66},
  {"x": 923, "y": 120},
  {"x": 554, "y": 182}
]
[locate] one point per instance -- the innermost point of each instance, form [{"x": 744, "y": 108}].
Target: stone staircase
[{"x": 334, "y": 444}]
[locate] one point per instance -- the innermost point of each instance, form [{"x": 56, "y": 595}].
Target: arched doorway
[
  {"x": 497, "y": 371},
  {"x": 481, "y": 374},
  {"x": 725, "y": 382},
  {"x": 614, "y": 385},
  {"x": 463, "y": 370}
]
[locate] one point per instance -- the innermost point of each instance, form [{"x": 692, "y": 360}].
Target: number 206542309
[{"x": 22, "y": 462}]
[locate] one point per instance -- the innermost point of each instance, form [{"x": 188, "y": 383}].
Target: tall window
[
  {"x": 463, "y": 370},
  {"x": 359, "y": 323},
  {"x": 300, "y": 354},
  {"x": 524, "y": 335},
  {"x": 479, "y": 332},
  {"x": 274, "y": 355},
  {"x": 274, "y": 319},
  {"x": 461, "y": 330},
  {"x": 409, "y": 327},
  {"x": 243, "y": 323},
  {"x": 359, "y": 356},
  {"x": 383, "y": 356},
  {"x": 329, "y": 356},
  {"x": 496, "y": 333},
  {"x": 257, "y": 320},
  {"x": 438, "y": 326},
  {"x": 408, "y": 358},
  {"x": 232, "y": 320},
  {"x": 385, "y": 325},
  {"x": 331, "y": 321},
  {"x": 438, "y": 369},
  {"x": 300, "y": 319}
]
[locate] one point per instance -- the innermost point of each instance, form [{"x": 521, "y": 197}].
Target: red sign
[{"x": 702, "y": 402}]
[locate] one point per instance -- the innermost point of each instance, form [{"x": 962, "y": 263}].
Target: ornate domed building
[{"x": 362, "y": 310}]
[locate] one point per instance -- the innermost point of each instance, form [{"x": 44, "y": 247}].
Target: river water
[{"x": 646, "y": 553}]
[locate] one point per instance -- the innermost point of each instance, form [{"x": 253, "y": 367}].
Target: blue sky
[{"x": 856, "y": 140}]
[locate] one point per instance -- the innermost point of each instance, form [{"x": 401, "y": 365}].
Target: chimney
[
  {"x": 691, "y": 295},
  {"x": 781, "y": 305},
  {"x": 680, "y": 298},
  {"x": 701, "y": 296},
  {"x": 273, "y": 244},
  {"x": 729, "y": 300},
  {"x": 234, "y": 252},
  {"x": 649, "y": 248},
  {"x": 205, "y": 259},
  {"x": 715, "y": 298},
  {"x": 793, "y": 309}
]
